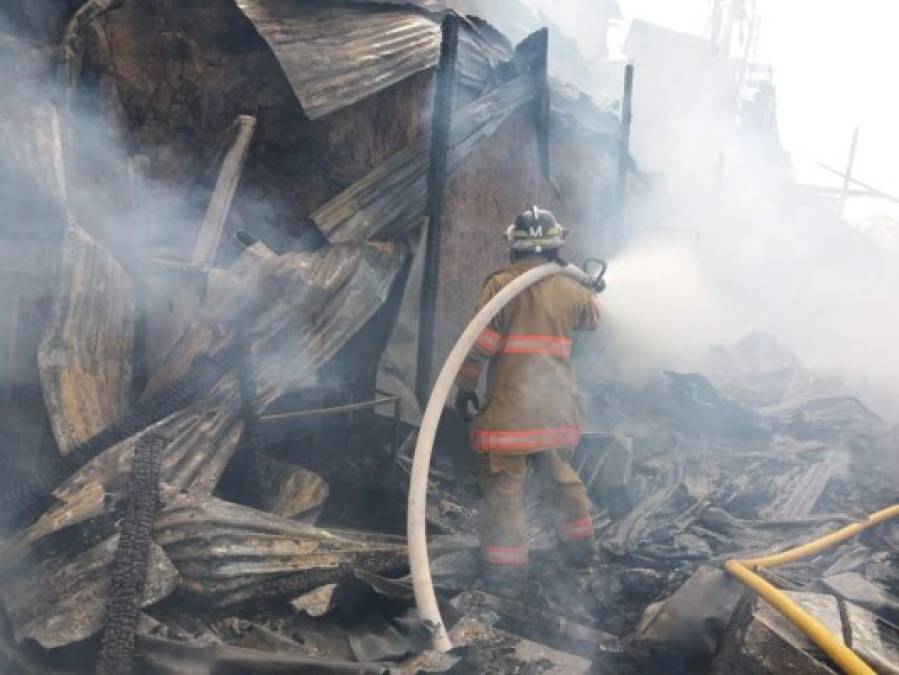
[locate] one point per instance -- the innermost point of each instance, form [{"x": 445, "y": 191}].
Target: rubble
[
  {"x": 762, "y": 641},
  {"x": 293, "y": 492},
  {"x": 488, "y": 650},
  {"x": 170, "y": 531},
  {"x": 226, "y": 553},
  {"x": 63, "y": 600}
]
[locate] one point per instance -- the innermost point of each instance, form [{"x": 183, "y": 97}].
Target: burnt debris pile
[{"x": 211, "y": 257}]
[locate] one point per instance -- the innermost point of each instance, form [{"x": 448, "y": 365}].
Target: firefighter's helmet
[{"x": 535, "y": 231}]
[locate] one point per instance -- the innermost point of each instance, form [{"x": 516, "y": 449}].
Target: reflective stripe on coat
[{"x": 531, "y": 403}]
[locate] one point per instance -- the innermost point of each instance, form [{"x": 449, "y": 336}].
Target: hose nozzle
[{"x": 596, "y": 270}]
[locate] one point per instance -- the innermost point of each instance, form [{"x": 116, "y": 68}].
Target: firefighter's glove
[{"x": 468, "y": 404}]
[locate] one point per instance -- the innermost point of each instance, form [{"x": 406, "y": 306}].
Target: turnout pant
[{"x": 503, "y": 528}]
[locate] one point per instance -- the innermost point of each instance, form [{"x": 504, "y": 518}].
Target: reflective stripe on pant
[{"x": 503, "y": 526}]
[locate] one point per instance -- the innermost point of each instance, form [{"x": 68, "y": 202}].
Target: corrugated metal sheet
[
  {"x": 390, "y": 201},
  {"x": 323, "y": 299},
  {"x": 336, "y": 54},
  {"x": 228, "y": 553},
  {"x": 85, "y": 355}
]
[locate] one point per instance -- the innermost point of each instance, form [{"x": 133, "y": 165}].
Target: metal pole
[
  {"x": 624, "y": 153},
  {"x": 847, "y": 177},
  {"x": 441, "y": 121}
]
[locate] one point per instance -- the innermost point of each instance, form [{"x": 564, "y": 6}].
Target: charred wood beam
[
  {"x": 441, "y": 123},
  {"x": 252, "y": 430},
  {"x": 138, "y": 173},
  {"x": 210, "y": 233},
  {"x": 542, "y": 104},
  {"x": 12, "y": 330},
  {"x": 624, "y": 153}
]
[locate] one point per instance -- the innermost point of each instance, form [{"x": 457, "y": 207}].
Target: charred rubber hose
[
  {"x": 129, "y": 569},
  {"x": 831, "y": 644},
  {"x": 206, "y": 370},
  {"x": 416, "y": 527}
]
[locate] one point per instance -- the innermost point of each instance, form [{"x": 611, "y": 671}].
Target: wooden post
[
  {"x": 214, "y": 223},
  {"x": 542, "y": 106},
  {"x": 441, "y": 124},
  {"x": 12, "y": 331},
  {"x": 138, "y": 187},
  {"x": 624, "y": 154},
  {"x": 847, "y": 177}
]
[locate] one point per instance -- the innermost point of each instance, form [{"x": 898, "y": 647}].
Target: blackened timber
[
  {"x": 252, "y": 431},
  {"x": 437, "y": 174},
  {"x": 624, "y": 151},
  {"x": 129, "y": 572},
  {"x": 542, "y": 104}
]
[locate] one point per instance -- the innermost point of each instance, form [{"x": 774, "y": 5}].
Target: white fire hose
[{"x": 416, "y": 527}]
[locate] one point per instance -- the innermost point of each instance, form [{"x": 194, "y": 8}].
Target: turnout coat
[{"x": 531, "y": 403}]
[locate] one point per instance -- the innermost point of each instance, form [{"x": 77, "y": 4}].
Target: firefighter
[{"x": 531, "y": 414}]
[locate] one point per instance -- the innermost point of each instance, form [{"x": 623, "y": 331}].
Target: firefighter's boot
[{"x": 505, "y": 581}]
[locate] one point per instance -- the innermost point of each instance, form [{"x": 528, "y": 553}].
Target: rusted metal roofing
[
  {"x": 63, "y": 599},
  {"x": 335, "y": 54},
  {"x": 229, "y": 553},
  {"x": 390, "y": 201}
]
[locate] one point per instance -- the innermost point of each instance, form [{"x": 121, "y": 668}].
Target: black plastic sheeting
[{"x": 336, "y": 54}]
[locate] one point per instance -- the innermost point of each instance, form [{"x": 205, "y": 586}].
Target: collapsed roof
[{"x": 336, "y": 54}]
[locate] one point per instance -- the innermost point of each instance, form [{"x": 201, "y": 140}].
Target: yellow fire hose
[{"x": 833, "y": 646}]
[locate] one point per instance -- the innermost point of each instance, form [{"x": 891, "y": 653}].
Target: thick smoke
[{"x": 725, "y": 242}]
